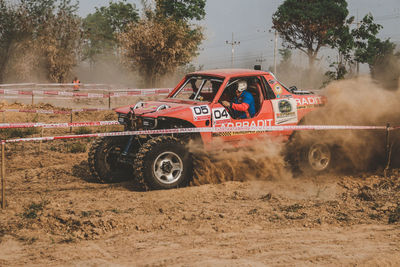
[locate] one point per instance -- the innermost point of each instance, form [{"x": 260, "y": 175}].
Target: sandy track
[
  {"x": 324, "y": 221},
  {"x": 58, "y": 215}
]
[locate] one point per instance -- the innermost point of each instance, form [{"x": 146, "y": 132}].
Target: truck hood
[{"x": 149, "y": 109}]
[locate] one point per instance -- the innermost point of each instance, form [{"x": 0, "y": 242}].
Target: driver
[{"x": 243, "y": 102}]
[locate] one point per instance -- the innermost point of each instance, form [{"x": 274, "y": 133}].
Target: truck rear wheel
[
  {"x": 103, "y": 160},
  {"x": 163, "y": 163},
  {"x": 318, "y": 158},
  {"x": 310, "y": 155}
]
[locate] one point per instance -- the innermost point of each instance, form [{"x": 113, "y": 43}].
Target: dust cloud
[{"x": 358, "y": 101}]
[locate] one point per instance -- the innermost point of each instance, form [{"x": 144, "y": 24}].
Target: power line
[{"x": 233, "y": 43}]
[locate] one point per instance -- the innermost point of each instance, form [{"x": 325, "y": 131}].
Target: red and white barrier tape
[
  {"x": 56, "y": 125},
  {"x": 202, "y": 130},
  {"x": 133, "y": 92},
  {"x": 45, "y": 111}
]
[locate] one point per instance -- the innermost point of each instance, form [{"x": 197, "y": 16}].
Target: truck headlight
[
  {"x": 149, "y": 123},
  {"x": 122, "y": 118}
]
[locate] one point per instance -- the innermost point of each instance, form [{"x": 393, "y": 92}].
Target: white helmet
[{"x": 242, "y": 85}]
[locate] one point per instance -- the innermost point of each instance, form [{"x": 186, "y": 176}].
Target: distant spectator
[{"x": 76, "y": 83}]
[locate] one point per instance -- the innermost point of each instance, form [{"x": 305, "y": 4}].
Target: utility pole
[
  {"x": 275, "y": 49},
  {"x": 261, "y": 60},
  {"x": 233, "y": 43}
]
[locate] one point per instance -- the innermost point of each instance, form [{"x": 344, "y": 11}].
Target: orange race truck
[{"x": 163, "y": 161}]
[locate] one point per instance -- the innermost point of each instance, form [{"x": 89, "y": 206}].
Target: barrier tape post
[
  {"x": 70, "y": 128},
  {"x": 388, "y": 150},
  {"x": 40, "y": 143},
  {"x": 3, "y": 174},
  {"x": 109, "y": 100},
  {"x": 33, "y": 101}
]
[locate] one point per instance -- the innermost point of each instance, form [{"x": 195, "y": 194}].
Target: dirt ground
[{"x": 58, "y": 215}]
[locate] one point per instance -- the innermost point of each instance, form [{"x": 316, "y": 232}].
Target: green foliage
[
  {"x": 369, "y": 48},
  {"x": 83, "y": 130},
  {"x": 181, "y": 9},
  {"x": 308, "y": 25},
  {"x": 394, "y": 216},
  {"x": 38, "y": 35},
  {"x": 286, "y": 55},
  {"x": 17, "y": 132},
  {"x": 362, "y": 45},
  {"x": 163, "y": 39},
  {"x": 31, "y": 212},
  {"x": 102, "y": 26},
  {"x": 77, "y": 147},
  {"x": 119, "y": 15}
]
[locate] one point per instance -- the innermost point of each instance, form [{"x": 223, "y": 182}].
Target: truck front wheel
[
  {"x": 163, "y": 163},
  {"x": 104, "y": 160}
]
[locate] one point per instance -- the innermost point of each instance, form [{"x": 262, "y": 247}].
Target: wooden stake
[
  {"x": 70, "y": 128},
  {"x": 3, "y": 176},
  {"x": 40, "y": 142},
  {"x": 388, "y": 150}
]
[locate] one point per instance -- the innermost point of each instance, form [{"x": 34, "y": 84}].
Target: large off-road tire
[
  {"x": 103, "y": 160},
  {"x": 310, "y": 155},
  {"x": 163, "y": 163},
  {"x": 316, "y": 158}
]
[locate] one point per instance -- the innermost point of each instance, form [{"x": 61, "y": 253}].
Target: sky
[{"x": 250, "y": 22}]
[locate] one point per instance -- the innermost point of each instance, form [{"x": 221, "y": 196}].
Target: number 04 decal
[{"x": 220, "y": 114}]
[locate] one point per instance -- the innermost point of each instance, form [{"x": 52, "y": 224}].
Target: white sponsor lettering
[
  {"x": 315, "y": 100},
  {"x": 258, "y": 123}
]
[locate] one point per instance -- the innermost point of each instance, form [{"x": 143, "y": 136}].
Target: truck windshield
[{"x": 198, "y": 88}]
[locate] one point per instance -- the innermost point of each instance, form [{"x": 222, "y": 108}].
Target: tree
[
  {"x": 60, "y": 41},
  {"x": 361, "y": 45},
  {"x": 102, "y": 27},
  {"x": 7, "y": 28},
  {"x": 155, "y": 47},
  {"x": 378, "y": 54},
  {"x": 40, "y": 37},
  {"x": 308, "y": 25},
  {"x": 163, "y": 39},
  {"x": 181, "y": 10}
]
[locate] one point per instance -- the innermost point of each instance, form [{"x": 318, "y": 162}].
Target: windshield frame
[{"x": 204, "y": 79}]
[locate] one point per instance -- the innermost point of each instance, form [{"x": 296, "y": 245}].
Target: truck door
[{"x": 225, "y": 117}]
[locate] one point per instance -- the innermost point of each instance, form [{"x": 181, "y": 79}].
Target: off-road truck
[{"x": 163, "y": 161}]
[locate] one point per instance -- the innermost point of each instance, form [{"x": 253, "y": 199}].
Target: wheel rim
[
  {"x": 319, "y": 157},
  {"x": 168, "y": 167}
]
